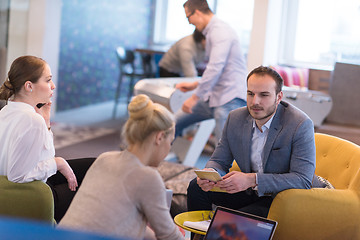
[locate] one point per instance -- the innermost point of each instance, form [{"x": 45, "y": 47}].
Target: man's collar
[
  {"x": 207, "y": 27},
  {"x": 266, "y": 125}
]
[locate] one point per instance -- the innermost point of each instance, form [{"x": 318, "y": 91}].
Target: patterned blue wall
[{"x": 90, "y": 32}]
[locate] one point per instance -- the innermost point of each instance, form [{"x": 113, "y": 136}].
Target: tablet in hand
[{"x": 209, "y": 175}]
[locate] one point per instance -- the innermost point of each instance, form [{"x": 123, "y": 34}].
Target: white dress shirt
[
  {"x": 26, "y": 145},
  {"x": 257, "y": 146},
  {"x": 225, "y": 75}
]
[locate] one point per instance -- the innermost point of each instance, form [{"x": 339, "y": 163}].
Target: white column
[
  {"x": 265, "y": 35},
  {"x": 34, "y": 29}
]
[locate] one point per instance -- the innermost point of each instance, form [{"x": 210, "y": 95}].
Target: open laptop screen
[{"x": 231, "y": 224}]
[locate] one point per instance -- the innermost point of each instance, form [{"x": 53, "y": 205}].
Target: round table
[{"x": 192, "y": 216}]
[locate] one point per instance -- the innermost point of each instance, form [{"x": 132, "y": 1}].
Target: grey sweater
[{"x": 119, "y": 196}]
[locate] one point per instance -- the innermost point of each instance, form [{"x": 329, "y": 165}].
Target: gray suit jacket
[{"x": 289, "y": 151}]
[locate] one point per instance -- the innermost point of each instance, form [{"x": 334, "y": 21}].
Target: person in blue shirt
[{"x": 222, "y": 87}]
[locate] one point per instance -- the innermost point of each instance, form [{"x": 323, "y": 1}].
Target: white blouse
[{"x": 26, "y": 145}]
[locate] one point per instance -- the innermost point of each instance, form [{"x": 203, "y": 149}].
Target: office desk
[
  {"x": 151, "y": 56},
  {"x": 192, "y": 216},
  {"x": 153, "y": 49}
]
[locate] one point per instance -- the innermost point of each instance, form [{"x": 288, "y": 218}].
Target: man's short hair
[
  {"x": 261, "y": 70},
  {"x": 200, "y": 5}
]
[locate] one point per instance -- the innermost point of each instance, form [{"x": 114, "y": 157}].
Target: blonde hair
[
  {"x": 146, "y": 117},
  {"x": 23, "y": 69}
]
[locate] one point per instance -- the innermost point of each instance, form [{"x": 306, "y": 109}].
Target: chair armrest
[
  {"x": 316, "y": 213},
  {"x": 32, "y": 200},
  {"x": 355, "y": 183}
]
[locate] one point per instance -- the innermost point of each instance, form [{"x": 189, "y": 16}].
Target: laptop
[{"x": 231, "y": 224}]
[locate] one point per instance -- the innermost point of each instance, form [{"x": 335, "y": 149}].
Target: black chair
[
  {"x": 149, "y": 65},
  {"x": 126, "y": 60},
  {"x": 128, "y": 68}
]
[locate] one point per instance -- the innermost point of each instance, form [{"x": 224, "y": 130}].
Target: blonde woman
[{"x": 122, "y": 193}]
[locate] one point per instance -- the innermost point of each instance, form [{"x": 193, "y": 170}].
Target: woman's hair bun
[{"x": 140, "y": 107}]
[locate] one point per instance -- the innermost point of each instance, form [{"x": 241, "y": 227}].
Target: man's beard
[{"x": 268, "y": 113}]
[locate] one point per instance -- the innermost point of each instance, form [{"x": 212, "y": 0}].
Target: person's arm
[
  {"x": 235, "y": 181},
  {"x": 186, "y": 86},
  {"x": 45, "y": 112},
  {"x": 204, "y": 184},
  {"x": 64, "y": 168},
  {"x": 222, "y": 157},
  {"x": 189, "y": 103},
  {"x": 301, "y": 162},
  {"x": 152, "y": 198},
  {"x": 25, "y": 163},
  {"x": 61, "y": 165}
]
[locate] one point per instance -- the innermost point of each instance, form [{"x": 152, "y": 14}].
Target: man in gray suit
[{"x": 271, "y": 141}]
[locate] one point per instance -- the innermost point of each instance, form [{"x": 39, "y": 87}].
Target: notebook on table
[{"x": 231, "y": 224}]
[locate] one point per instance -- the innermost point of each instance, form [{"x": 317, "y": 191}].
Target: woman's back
[{"x": 119, "y": 196}]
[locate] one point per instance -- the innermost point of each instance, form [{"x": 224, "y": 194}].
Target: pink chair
[{"x": 293, "y": 77}]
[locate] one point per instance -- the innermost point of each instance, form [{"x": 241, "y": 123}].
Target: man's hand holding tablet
[
  {"x": 207, "y": 179},
  {"x": 210, "y": 175}
]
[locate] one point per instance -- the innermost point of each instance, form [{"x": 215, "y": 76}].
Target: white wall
[
  {"x": 265, "y": 34},
  {"x": 18, "y": 29},
  {"x": 34, "y": 29}
]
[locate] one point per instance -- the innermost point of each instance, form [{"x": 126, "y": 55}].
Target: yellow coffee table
[{"x": 193, "y": 216}]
